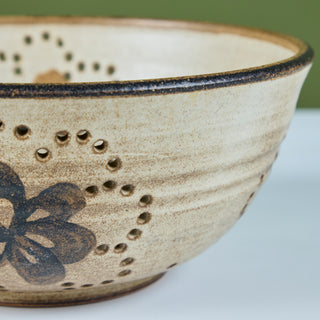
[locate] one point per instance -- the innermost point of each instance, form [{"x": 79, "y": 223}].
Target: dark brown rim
[{"x": 303, "y": 56}]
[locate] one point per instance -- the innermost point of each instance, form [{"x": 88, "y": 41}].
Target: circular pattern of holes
[
  {"x": 62, "y": 137},
  {"x": 28, "y": 40},
  {"x": 100, "y": 146}
]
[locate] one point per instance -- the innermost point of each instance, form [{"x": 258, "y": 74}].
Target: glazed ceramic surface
[{"x": 129, "y": 146}]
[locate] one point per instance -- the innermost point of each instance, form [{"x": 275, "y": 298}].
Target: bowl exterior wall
[{"x": 184, "y": 167}]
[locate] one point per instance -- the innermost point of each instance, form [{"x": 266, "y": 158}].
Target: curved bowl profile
[{"x": 128, "y": 146}]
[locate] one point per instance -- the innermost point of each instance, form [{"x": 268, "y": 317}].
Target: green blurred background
[{"x": 294, "y": 17}]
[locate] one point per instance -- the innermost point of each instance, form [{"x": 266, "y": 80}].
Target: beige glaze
[{"x": 200, "y": 156}]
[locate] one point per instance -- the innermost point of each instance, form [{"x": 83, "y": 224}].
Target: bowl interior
[{"x": 41, "y": 50}]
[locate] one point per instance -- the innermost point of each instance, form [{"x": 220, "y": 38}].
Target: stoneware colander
[{"x": 129, "y": 146}]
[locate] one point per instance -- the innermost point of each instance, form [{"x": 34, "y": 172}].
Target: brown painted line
[{"x": 303, "y": 57}]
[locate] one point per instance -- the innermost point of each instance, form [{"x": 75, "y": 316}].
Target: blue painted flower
[{"x": 34, "y": 262}]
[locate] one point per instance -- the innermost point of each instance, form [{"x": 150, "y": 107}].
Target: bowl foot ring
[{"x": 74, "y": 297}]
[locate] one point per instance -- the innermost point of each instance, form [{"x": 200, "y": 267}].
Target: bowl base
[{"x": 73, "y": 297}]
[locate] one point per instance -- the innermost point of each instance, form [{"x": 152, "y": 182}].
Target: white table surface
[{"x": 266, "y": 267}]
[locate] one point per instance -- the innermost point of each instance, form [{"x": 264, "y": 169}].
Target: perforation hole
[
  {"x": 172, "y": 265},
  {"x": 22, "y": 131},
  {"x": 67, "y": 76},
  {"x": 134, "y": 234},
  {"x": 69, "y": 56},
  {"x": 114, "y": 164},
  {"x": 1, "y": 125},
  {"x": 96, "y": 66},
  {"x": 81, "y": 66},
  {"x": 145, "y": 200},
  {"x": 2, "y": 56},
  {"x": 87, "y": 285},
  {"x": 111, "y": 70},
  {"x": 59, "y": 43},
  {"x": 62, "y": 137},
  {"x": 102, "y": 249},
  {"x": 126, "y": 262},
  {"x": 92, "y": 191},
  {"x": 28, "y": 40},
  {"x": 43, "y": 154},
  {"x": 109, "y": 185},
  {"x": 16, "y": 57},
  {"x": 17, "y": 71},
  {"x": 106, "y": 281},
  {"x": 124, "y": 273},
  {"x": 127, "y": 190},
  {"x": 67, "y": 284},
  {"x": 100, "y": 146},
  {"x": 83, "y": 136},
  {"x": 144, "y": 218},
  {"x": 45, "y": 36},
  {"x": 120, "y": 248}
]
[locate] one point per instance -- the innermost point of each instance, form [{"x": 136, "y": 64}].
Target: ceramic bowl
[{"x": 129, "y": 146}]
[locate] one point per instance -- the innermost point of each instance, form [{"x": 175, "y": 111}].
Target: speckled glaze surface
[{"x": 129, "y": 146}]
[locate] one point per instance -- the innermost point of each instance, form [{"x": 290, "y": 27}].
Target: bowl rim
[{"x": 303, "y": 56}]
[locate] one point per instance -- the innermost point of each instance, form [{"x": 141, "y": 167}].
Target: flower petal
[
  {"x": 12, "y": 189},
  {"x": 5, "y": 234},
  {"x": 72, "y": 242},
  {"x": 2, "y": 259},
  {"x": 3, "y": 254},
  {"x": 61, "y": 200},
  {"x": 45, "y": 269}
]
